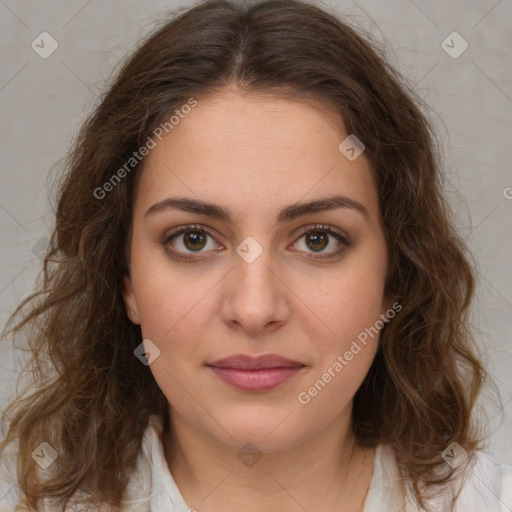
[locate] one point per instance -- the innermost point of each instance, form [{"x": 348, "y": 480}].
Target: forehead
[{"x": 253, "y": 152}]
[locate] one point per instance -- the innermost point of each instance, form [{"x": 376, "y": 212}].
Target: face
[{"x": 264, "y": 279}]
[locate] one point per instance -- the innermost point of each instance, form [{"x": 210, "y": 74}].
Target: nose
[{"x": 255, "y": 297}]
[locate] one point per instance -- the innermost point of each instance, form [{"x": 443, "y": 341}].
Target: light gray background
[{"x": 43, "y": 101}]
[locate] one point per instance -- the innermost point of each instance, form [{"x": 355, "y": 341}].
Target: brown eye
[
  {"x": 194, "y": 240},
  {"x": 320, "y": 237},
  {"x": 182, "y": 243},
  {"x": 317, "y": 240}
]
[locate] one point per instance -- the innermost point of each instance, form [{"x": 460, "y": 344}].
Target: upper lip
[{"x": 265, "y": 361}]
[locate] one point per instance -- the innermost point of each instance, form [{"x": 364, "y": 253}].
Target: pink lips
[{"x": 255, "y": 373}]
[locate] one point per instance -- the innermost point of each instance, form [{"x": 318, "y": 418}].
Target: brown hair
[{"x": 91, "y": 398}]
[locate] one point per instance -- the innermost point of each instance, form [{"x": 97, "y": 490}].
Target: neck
[{"x": 329, "y": 471}]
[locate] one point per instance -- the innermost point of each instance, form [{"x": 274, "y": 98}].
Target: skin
[{"x": 255, "y": 154}]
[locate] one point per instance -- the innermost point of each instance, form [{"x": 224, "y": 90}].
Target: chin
[{"x": 268, "y": 430}]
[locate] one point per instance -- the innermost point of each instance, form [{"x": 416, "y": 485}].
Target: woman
[{"x": 254, "y": 298}]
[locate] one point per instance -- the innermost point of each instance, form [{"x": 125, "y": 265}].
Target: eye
[
  {"x": 195, "y": 239},
  {"x": 317, "y": 239}
]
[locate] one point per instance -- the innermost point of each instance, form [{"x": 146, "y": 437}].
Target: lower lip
[{"x": 256, "y": 380}]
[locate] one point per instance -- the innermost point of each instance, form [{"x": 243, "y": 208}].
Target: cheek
[
  {"x": 351, "y": 307},
  {"x": 167, "y": 294},
  {"x": 332, "y": 391},
  {"x": 173, "y": 313},
  {"x": 350, "y": 300},
  {"x": 172, "y": 310},
  {"x": 344, "y": 358}
]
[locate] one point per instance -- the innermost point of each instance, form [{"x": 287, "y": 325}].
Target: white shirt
[{"x": 487, "y": 488}]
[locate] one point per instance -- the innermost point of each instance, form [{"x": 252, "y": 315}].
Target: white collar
[{"x": 153, "y": 489}]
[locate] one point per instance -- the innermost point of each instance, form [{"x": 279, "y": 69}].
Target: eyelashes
[
  {"x": 190, "y": 228},
  {"x": 196, "y": 234}
]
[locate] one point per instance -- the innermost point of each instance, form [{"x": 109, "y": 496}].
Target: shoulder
[
  {"x": 482, "y": 485},
  {"x": 139, "y": 494},
  {"x": 151, "y": 486},
  {"x": 486, "y": 484}
]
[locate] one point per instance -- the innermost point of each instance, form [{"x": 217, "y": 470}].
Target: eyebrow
[{"x": 287, "y": 214}]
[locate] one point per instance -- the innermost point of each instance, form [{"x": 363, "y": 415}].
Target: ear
[{"x": 130, "y": 301}]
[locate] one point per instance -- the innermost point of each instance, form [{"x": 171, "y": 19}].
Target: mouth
[{"x": 255, "y": 373}]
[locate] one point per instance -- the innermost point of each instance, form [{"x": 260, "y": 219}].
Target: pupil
[
  {"x": 317, "y": 237},
  {"x": 195, "y": 238}
]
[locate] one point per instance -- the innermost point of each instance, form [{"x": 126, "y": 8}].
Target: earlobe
[{"x": 130, "y": 301}]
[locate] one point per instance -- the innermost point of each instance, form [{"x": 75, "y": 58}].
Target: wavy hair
[{"x": 91, "y": 399}]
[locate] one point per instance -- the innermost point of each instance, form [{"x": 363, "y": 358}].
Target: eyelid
[
  {"x": 324, "y": 227},
  {"x": 188, "y": 227}
]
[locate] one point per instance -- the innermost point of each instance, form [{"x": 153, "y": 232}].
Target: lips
[
  {"x": 244, "y": 362},
  {"x": 259, "y": 373}
]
